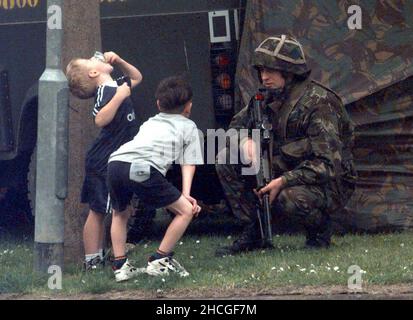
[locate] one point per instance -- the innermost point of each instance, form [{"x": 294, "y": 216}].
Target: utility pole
[
  {"x": 82, "y": 37},
  {"x": 52, "y": 148}
]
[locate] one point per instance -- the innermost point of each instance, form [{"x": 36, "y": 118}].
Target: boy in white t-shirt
[{"x": 139, "y": 167}]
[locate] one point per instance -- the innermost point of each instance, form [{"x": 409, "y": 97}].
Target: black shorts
[
  {"x": 95, "y": 192},
  {"x": 155, "y": 192}
]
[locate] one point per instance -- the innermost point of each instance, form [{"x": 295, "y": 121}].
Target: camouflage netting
[{"x": 372, "y": 70}]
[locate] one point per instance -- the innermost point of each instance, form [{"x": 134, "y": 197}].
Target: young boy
[
  {"x": 140, "y": 167},
  {"x": 114, "y": 113}
]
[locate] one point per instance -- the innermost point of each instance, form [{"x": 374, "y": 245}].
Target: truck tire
[{"x": 15, "y": 212}]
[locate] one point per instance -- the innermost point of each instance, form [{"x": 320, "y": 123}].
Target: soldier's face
[{"x": 272, "y": 79}]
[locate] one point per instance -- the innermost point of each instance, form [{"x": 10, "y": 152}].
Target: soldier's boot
[
  {"x": 249, "y": 240},
  {"x": 319, "y": 236}
]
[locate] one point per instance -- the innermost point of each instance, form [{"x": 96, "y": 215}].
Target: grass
[
  {"x": 16, "y": 267},
  {"x": 385, "y": 259}
]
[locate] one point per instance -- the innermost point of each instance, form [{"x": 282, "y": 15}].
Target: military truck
[{"x": 162, "y": 37}]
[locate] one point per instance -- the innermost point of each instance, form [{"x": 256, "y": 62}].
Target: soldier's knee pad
[
  {"x": 284, "y": 203},
  {"x": 296, "y": 201}
]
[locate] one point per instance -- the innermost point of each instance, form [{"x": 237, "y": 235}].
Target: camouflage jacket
[{"x": 312, "y": 139}]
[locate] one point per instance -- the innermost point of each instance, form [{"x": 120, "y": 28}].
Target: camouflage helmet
[{"x": 282, "y": 53}]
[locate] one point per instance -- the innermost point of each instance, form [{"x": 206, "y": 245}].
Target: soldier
[{"x": 312, "y": 167}]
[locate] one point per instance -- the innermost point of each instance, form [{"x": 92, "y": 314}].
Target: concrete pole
[{"x": 52, "y": 149}]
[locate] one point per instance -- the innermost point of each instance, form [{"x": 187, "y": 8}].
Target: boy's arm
[
  {"x": 188, "y": 172},
  {"x": 190, "y": 157},
  {"x": 127, "y": 69},
  {"x": 105, "y": 115}
]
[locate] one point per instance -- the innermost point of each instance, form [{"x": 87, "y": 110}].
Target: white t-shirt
[{"x": 161, "y": 141}]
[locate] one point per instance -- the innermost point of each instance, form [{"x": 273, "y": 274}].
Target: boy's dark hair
[{"x": 173, "y": 93}]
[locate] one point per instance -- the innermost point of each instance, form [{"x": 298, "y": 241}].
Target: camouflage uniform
[{"x": 312, "y": 139}]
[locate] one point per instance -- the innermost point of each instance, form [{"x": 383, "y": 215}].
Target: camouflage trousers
[{"x": 306, "y": 206}]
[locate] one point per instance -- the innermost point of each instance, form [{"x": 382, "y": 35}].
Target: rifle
[{"x": 262, "y": 122}]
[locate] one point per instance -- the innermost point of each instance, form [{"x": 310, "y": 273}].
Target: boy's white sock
[{"x": 100, "y": 252}]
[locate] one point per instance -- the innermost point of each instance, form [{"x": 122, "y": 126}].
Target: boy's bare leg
[
  {"x": 119, "y": 232},
  {"x": 93, "y": 232},
  {"x": 183, "y": 215}
]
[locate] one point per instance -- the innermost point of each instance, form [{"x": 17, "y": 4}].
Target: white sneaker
[
  {"x": 162, "y": 267},
  {"x": 95, "y": 264},
  {"x": 127, "y": 272}
]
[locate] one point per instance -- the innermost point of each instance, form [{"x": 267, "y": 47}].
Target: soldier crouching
[{"x": 312, "y": 163}]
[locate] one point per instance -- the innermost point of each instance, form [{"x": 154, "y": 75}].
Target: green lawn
[{"x": 384, "y": 259}]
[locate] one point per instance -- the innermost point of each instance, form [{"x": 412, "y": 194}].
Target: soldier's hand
[
  {"x": 273, "y": 188},
  {"x": 111, "y": 57}
]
